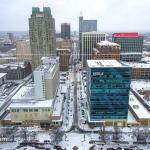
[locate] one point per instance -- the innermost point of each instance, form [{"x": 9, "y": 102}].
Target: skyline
[{"x": 132, "y": 16}]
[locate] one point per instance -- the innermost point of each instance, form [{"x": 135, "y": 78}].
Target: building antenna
[{"x": 81, "y": 14}]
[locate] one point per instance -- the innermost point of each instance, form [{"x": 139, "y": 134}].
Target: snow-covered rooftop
[
  {"x": 131, "y": 118},
  {"x": 139, "y": 84},
  {"x": 2, "y": 75},
  {"x": 103, "y": 63},
  {"x": 136, "y": 64},
  {"x": 128, "y": 53},
  {"x": 25, "y": 93},
  {"x": 107, "y": 43},
  {"x": 138, "y": 108},
  {"x": 48, "y": 64},
  {"x": 33, "y": 104},
  {"x": 13, "y": 65}
]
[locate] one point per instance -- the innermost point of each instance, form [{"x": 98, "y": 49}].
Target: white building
[
  {"x": 89, "y": 41},
  {"x": 2, "y": 78},
  {"x": 46, "y": 79}
]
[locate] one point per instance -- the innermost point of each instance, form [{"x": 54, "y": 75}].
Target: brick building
[
  {"x": 64, "y": 57},
  {"x": 106, "y": 50}
]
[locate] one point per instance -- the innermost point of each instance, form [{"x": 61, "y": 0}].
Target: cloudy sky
[{"x": 112, "y": 15}]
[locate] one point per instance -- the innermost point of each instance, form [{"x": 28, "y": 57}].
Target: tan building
[
  {"x": 64, "y": 57},
  {"x": 63, "y": 44},
  {"x": 139, "y": 70},
  {"x": 25, "y": 109},
  {"x": 37, "y": 111},
  {"x": 23, "y": 51},
  {"x": 106, "y": 50},
  {"x": 5, "y": 60}
]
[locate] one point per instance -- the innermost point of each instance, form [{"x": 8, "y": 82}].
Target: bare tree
[
  {"x": 57, "y": 136},
  {"x": 116, "y": 134},
  {"x": 102, "y": 133},
  {"x": 141, "y": 135}
]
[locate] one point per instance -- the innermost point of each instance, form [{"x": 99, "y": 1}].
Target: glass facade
[
  {"x": 108, "y": 92},
  {"x": 130, "y": 45},
  {"x": 86, "y": 26}
]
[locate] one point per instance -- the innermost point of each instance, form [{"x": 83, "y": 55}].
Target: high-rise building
[
  {"x": 64, "y": 57},
  {"x": 106, "y": 50},
  {"x": 85, "y": 26},
  {"x": 65, "y": 31},
  {"x": 42, "y": 34},
  {"x": 46, "y": 78},
  {"x": 108, "y": 85},
  {"x": 131, "y": 45},
  {"x": 89, "y": 41},
  {"x": 23, "y": 50}
]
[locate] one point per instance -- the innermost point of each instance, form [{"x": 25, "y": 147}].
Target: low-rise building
[
  {"x": 106, "y": 50},
  {"x": 37, "y": 103},
  {"x": 140, "y": 70},
  {"x": 64, "y": 57},
  {"x": 5, "y": 60},
  {"x": 16, "y": 71},
  {"x": 139, "y": 111}
]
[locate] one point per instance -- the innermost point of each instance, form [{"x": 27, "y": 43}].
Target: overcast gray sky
[{"x": 112, "y": 15}]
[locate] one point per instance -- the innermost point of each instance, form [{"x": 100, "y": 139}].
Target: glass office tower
[
  {"x": 131, "y": 45},
  {"x": 108, "y": 89}
]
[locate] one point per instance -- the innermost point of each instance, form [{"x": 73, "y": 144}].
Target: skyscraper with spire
[{"x": 42, "y": 34}]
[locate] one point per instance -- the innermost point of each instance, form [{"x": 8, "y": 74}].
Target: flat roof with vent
[
  {"x": 103, "y": 63},
  {"x": 138, "y": 108}
]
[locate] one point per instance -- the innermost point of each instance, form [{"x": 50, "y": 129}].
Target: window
[
  {"x": 30, "y": 110},
  {"x": 25, "y": 110},
  {"x": 35, "y": 110}
]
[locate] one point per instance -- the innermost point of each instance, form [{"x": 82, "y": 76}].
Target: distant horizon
[
  {"x": 112, "y": 15},
  {"x": 12, "y": 31}
]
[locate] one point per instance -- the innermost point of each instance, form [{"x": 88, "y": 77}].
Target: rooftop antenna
[{"x": 81, "y": 14}]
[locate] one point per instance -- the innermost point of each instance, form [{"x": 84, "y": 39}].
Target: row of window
[{"x": 31, "y": 110}]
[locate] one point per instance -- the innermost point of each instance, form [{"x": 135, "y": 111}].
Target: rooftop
[
  {"x": 126, "y": 53},
  {"x": 25, "y": 93},
  {"x": 13, "y": 65},
  {"x": 48, "y": 64},
  {"x": 126, "y": 34},
  {"x": 92, "y": 32},
  {"x": 138, "y": 108},
  {"x": 2, "y": 75},
  {"x": 33, "y": 104},
  {"x": 136, "y": 64},
  {"x": 107, "y": 43},
  {"x": 131, "y": 118},
  {"x": 103, "y": 63}
]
